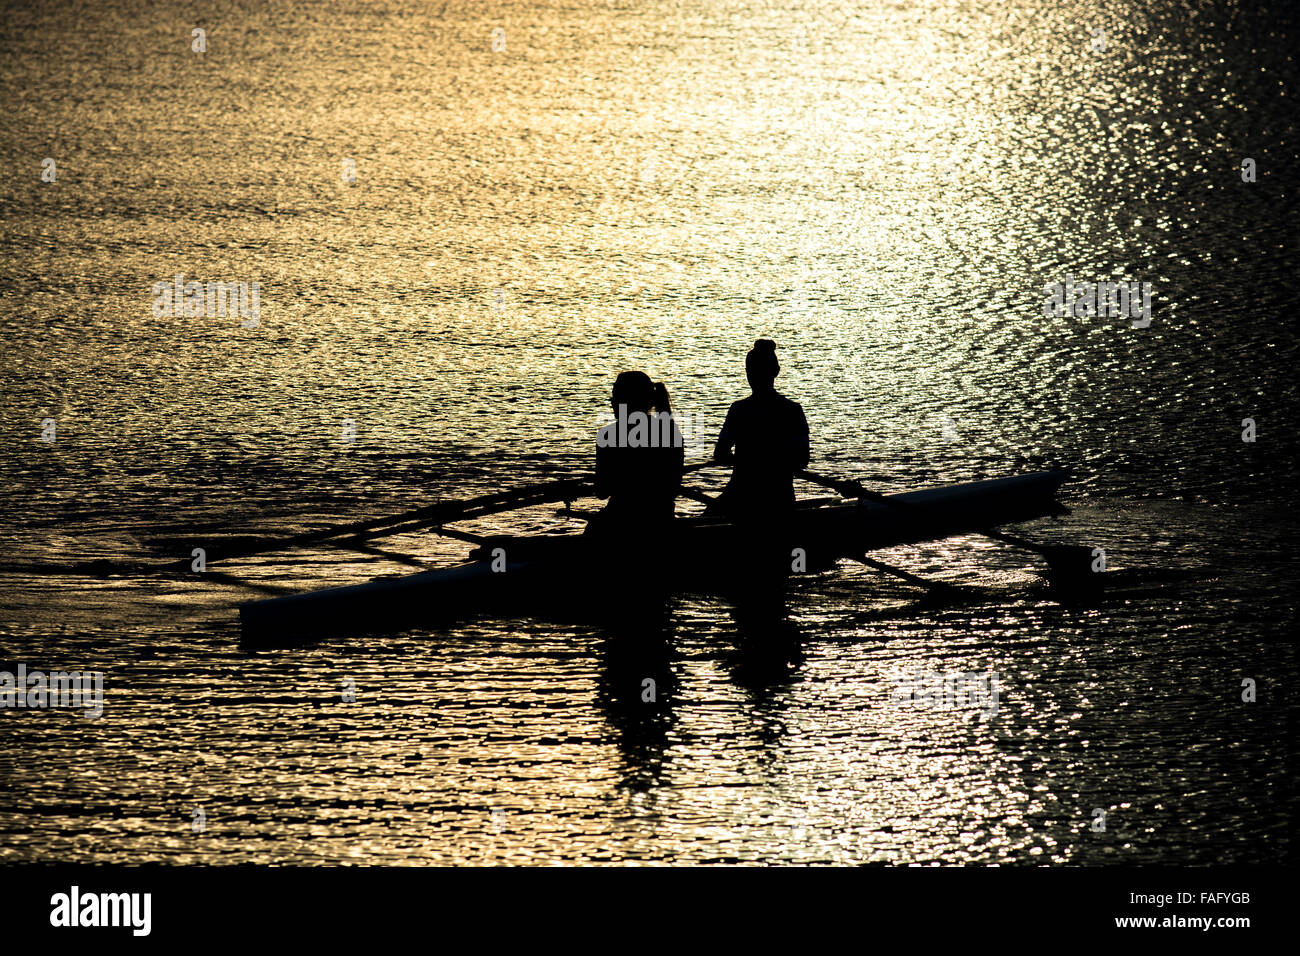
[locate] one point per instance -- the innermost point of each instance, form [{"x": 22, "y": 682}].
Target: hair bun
[{"x": 765, "y": 345}]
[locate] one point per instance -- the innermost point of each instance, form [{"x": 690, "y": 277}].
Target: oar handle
[
  {"x": 845, "y": 486},
  {"x": 709, "y": 463}
]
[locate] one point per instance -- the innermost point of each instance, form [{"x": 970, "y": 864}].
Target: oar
[
  {"x": 694, "y": 494},
  {"x": 361, "y": 531},
  {"x": 428, "y": 517},
  {"x": 429, "y": 514},
  {"x": 543, "y": 497},
  {"x": 358, "y": 532},
  {"x": 345, "y": 544},
  {"x": 1063, "y": 560},
  {"x": 942, "y": 588}
]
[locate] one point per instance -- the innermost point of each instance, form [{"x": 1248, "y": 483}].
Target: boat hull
[{"x": 517, "y": 574}]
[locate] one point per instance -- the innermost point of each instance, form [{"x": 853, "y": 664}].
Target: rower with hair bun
[
  {"x": 765, "y": 439},
  {"x": 769, "y": 435}
]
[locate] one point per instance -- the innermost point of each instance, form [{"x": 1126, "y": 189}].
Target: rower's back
[
  {"x": 639, "y": 456},
  {"x": 769, "y": 435}
]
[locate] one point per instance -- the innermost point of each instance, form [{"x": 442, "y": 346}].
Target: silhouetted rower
[
  {"x": 770, "y": 436},
  {"x": 638, "y": 459}
]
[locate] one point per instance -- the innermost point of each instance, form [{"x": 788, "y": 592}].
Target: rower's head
[
  {"x": 633, "y": 390},
  {"x": 761, "y": 365}
]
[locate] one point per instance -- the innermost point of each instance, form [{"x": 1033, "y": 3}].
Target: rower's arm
[
  {"x": 604, "y": 475},
  {"x": 722, "y": 450},
  {"x": 677, "y": 453},
  {"x": 800, "y": 451},
  {"x": 676, "y": 456}
]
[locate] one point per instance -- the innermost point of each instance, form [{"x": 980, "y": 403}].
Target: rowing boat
[{"x": 508, "y": 574}]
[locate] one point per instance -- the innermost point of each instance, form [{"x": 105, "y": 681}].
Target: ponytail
[{"x": 661, "y": 402}]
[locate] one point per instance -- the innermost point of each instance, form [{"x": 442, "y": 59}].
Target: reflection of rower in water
[
  {"x": 770, "y": 436},
  {"x": 638, "y": 463}
]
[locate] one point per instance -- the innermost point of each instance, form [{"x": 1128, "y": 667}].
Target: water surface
[{"x": 884, "y": 189}]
